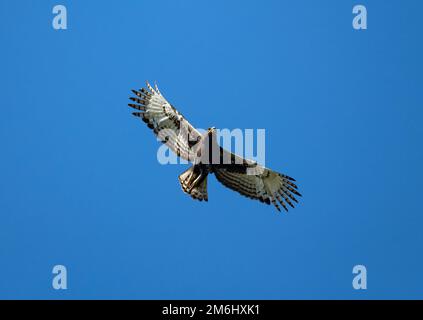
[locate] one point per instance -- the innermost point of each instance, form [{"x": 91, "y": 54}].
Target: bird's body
[{"x": 239, "y": 174}]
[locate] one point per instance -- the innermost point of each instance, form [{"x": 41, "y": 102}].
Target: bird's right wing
[{"x": 166, "y": 122}]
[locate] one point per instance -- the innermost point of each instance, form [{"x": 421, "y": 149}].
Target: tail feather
[{"x": 194, "y": 182}]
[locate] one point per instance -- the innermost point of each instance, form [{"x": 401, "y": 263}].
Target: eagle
[{"x": 244, "y": 176}]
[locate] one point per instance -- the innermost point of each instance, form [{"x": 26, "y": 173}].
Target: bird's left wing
[
  {"x": 166, "y": 122},
  {"x": 257, "y": 182}
]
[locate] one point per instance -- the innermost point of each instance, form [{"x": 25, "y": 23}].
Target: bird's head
[{"x": 211, "y": 130}]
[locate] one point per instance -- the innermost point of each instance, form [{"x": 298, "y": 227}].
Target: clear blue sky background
[{"x": 80, "y": 184}]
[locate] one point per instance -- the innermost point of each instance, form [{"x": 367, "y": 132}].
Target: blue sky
[{"x": 80, "y": 184}]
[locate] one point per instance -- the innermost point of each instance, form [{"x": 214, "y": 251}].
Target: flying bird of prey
[{"x": 239, "y": 174}]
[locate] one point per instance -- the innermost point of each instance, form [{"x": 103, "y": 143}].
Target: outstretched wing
[
  {"x": 260, "y": 183},
  {"x": 166, "y": 122}
]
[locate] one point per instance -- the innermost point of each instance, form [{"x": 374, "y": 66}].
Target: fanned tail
[{"x": 194, "y": 182}]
